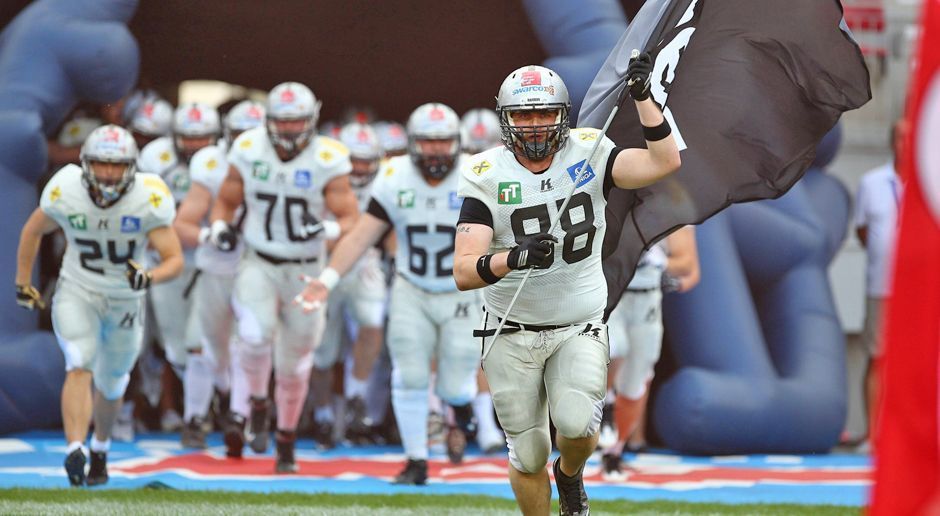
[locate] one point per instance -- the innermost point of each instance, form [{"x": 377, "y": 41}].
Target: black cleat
[
  {"x": 358, "y": 423},
  {"x": 234, "y": 436},
  {"x": 285, "y": 463},
  {"x": 75, "y": 468},
  {"x": 612, "y": 464},
  {"x": 98, "y": 471},
  {"x": 572, "y": 500},
  {"x": 258, "y": 425},
  {"x": 323, "y": 434},
  {"x": 414, "y": 474},
  {"x": 194, "y": 434},
  {"x": 456, "y": 444}
]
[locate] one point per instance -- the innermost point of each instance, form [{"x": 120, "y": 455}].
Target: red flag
[{"x": 907, "y": 460}]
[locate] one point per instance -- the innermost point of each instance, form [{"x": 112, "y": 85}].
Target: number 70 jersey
[
  {"x": 424, "y": 218},
  {"x": 100, "y": 241}
]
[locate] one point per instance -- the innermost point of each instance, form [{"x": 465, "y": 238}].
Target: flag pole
[{"x": 574, "y": 186}]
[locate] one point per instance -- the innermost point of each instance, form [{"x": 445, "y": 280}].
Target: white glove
[
  {"x": 223, "y": 236},
  {"x": 311, "y": 227}
]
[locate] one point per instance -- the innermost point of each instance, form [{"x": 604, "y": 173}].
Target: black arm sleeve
[
  {"x": 376, "y": 210},
  {"x": 608, "y": 174},
  {"x": 475, "y": 211}
]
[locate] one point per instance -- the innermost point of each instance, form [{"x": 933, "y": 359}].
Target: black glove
[
  {"x": 670, "y": 283},
  {"x": 29, "y": 298},
  {"x": 533, "y": 252},
  {"x": 638, "y": 76},
  {"x": 223, "y": 236},
  {"x": 137, "y": 276}
]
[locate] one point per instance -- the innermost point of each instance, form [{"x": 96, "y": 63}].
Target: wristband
[
  {"x": 654, "y": 134},
  {"x": 484, "y": 270},
  {"x": 329, "y": 277}
]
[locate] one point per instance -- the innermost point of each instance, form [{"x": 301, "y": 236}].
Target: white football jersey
[
  {"x": 572, "y": 289},
  {"x": 208, "y": 167},
  {"x": 159, "y": 157},
  {"x": 424, "y": 218},
  {"x": 278, "y": 193},
  {"x": 100, "y": 241},
  {"x": 649, "y": 272}
]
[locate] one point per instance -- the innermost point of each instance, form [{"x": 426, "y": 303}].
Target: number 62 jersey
[
  {"x": 424, "y": 218},
  {"x": 100, "y": 241},
  {"x": 572, "y": 289}
]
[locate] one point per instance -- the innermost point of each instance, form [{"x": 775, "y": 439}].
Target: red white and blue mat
[{"x": 34, "y": 460}]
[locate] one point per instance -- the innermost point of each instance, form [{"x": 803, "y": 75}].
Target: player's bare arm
[
  {"x": 231, "y": 195},
  {"x": 365, "y": 234},
  {"x": 164, "y": 240},
  {"x": 36, "y": 226},
  {"x": 340, "y": 199},
  {"x": 471, "y": 243},
  {"x": 191, "y": 212},
  {"x": 636, "y": 168},
  {"x": 683, "y": 258}
]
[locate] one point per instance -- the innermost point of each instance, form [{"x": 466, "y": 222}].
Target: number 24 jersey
[
  {"x": 100, "y": 241},
  {"x": 572, "y": 289},
  {"x": 424, "y": 218}
]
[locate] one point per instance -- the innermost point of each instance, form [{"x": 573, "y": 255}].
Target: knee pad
[
  {"x": 529, "y": 450},
  {"x": 112, "y": 387},
  {"x": 633, "y": 375},
  {"x": 410, "y": 378},
  {"x": 456, "y": 392},
  {"x": 575, "y": 415},
  {"x": 250, "y": 327}
]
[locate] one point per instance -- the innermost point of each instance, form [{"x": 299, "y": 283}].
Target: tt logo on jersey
[
  {"x": 584, "y": 171},
  {"x": 78, "y": 221},
  {"x": 260, "y": 170},
  {"x": 406, "y": 198},
  {"x": 130, "y": 224},
  {"x": 510, "y": 193}
]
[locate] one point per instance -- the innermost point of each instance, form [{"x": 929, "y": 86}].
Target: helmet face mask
[
  {"x": 434, "y": 139},
  {"x": 108, "y": 144},
  {"x": 525, "y": 97},
  {"x": 291, "y": 118}
]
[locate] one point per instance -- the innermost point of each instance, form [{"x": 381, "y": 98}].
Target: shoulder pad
[
  {"x": 585, "y": 134},
  {"x": 157, "y": 156},
  {"x": 157, "y": 191},
  {"x": 328, "y": 149}
]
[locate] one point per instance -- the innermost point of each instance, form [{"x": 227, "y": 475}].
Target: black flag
[{"x": 749, "y": 87}]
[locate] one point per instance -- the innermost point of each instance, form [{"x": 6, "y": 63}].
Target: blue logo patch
[
  {"x": 587, "y": 173},
  {"x": 455, "y": 201},
  {"x": 302, "y": 179},
  {"x": 130, "y": 224}
]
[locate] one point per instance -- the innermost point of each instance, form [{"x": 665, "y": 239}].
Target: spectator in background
[{"x": 876, "y": 221}]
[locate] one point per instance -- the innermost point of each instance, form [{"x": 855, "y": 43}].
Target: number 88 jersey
[
  {"x": 572, "y": 289},
  {"x": 424, "y": 218},
  {"x": 100, "y": 241}
]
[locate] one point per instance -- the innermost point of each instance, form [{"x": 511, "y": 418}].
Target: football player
[
  {"x": 393, "y": 137},
  {"x": 109, "y": 214},
  {"x": 480, "y": 131},
  {"x": 361, "y": 296},
  {"x": 195, "y": 126},
  {"x": 416, "y": 195},
  {"x": 551, "y": 357},
  {"x": 290, "y": 180},
  {"x": 152, "y": 120},
  {"x": 208, "y": 362}
]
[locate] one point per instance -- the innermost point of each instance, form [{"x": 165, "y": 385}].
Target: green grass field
[{"x": 154, "y": 502}]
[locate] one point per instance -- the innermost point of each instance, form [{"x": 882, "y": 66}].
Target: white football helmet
[
  {"x": 365, "y": 152},
  {"x": 393, "y": 138},
  {"x": 108, "y": 144},
  {"x": 153, "y": 119},
  {"x": 291, "y": 101},
  {"x": 533, "y": 88},
  {"x": 194, "y": 120},
  {"x": 330, "y": 128},
  {"x": 434, "y": 121},
  {"x": 480, "y": 130},
  {"x": 245, "y": 115}
]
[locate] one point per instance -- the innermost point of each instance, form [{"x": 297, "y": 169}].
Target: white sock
[
  {"x": 610, "y": 398},
  {"x": 74, "y": 445},
  {"x": 324, "y": 414},
  {"x": 356, "y": 387},
  {"x": 434, "y": 402},
  {"x": 238, "y": 401},
  {"x": 486, "y": 421},
  {"x": 197, "y": 386},
  {"x": 290, "y": 392},
  {"x": 411, "y": 412},
  {"x": 256, "y": 365},
  {"x": 100, "y": 446}
]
